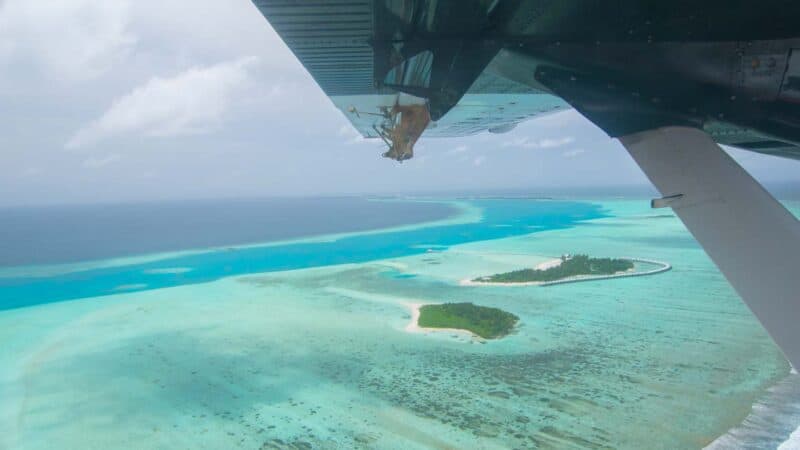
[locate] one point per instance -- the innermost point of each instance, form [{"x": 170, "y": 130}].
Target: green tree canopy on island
[
  {"x": 488, "y": 323},
  {"x": 569, "y": 267}
]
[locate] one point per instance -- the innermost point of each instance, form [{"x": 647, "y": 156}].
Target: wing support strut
[{"x": 748, "y": 234}]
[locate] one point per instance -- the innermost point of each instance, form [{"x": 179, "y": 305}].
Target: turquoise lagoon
[{"x": 303, "y": 344}]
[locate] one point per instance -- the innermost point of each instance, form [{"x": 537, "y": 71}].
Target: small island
[
  {"x": 568, "y": 267},
  {"x": 488, "y": 323}
]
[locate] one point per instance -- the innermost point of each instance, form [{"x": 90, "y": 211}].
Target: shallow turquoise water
[{"x": 322, "y": 357}]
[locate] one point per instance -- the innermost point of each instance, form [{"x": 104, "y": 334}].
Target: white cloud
[
  {"x": 524, "y": 142},
  {"x": 459, "y": 149},
  {"x": 352, "y": 136},
  {"x": 345, "y": 130},
  {"x": 31, "y": 172},
  {"x": 518, "y": 142},
  {"x": 550, "y": 143},
  {"x": 70, "y": 40},
  {"x": 98, "y": 162},
  {"x": 211, "y": 28},
  {"x": 478, "y": 161},
  {"x": 419, "y": 160},
  {"x": 190, "y": 102},
  {"x": 573, "y": 153}
]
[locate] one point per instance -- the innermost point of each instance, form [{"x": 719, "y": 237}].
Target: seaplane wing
[
  {"x": 670, "y": 79},
  {"x": 337, "y": 42},
  {"x": 485, "y": 65}
]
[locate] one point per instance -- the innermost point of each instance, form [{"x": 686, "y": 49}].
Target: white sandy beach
[{"x": 541, "y": 266}]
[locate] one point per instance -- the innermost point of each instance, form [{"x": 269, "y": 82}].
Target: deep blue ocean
[
  {"x": 75, "y": 233},
  {"x": 90, "y": 233}
]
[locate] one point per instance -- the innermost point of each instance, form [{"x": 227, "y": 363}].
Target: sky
[{"x": 123, "y": 100}]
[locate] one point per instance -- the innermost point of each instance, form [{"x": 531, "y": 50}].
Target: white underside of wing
[{"x": 474, "y": 113}]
